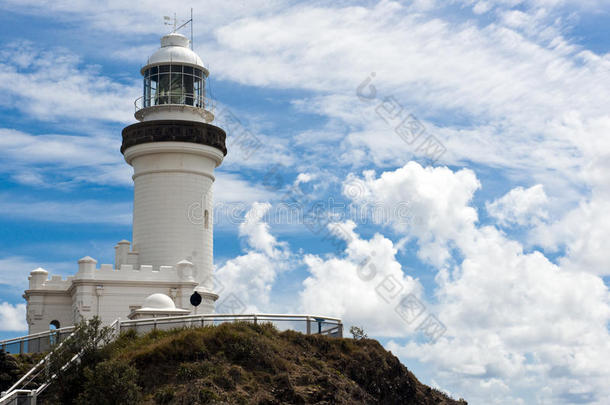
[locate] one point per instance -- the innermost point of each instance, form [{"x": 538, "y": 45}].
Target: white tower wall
[{"x": 173, "y": 209}]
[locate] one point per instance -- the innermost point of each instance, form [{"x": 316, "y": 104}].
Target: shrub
[
  {"x": 188, "y": 372},
  {"x": 111, "y": 382},
  {"x": 358, "y": 333},
  {"x": 9, "y": 370},
  {"x": 88, "y": 337},
  {"x": 164, "y": 395}
]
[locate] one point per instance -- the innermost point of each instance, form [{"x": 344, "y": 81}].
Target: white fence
[{"x": 308, "y": 324}]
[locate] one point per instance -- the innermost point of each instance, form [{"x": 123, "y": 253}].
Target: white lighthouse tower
[{"x": 173, "y": 150}]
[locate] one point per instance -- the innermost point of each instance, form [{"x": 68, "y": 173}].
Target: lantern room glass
[{"x": 174, "y": 84}]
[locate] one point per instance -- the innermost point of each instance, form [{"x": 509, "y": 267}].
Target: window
[
  {"x": 188, "y": 89},
  {"x": 206, "y": 219},
  {"x": 174, "y": 84},
  {"x": 163, "y": 90}
]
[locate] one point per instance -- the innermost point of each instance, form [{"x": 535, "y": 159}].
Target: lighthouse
[{"x": 174, "y": 150}]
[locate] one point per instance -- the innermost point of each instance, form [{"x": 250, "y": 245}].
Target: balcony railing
[{"x": 176, "y": 99}]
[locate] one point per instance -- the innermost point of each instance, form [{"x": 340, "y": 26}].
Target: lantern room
[{"x": 174, "y": 83}]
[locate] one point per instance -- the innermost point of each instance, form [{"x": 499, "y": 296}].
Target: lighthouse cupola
[{"x": 174, "y": 84}]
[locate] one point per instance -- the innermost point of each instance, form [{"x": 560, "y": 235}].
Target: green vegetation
[
  {"x": 12, "y": 367},
  {"x": 239, "y": 363},
  {"x": 358, "y": 332}
]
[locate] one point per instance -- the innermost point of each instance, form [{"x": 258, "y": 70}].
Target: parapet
[
  {"x": 39, "y": 279},
  {"x": 88, "y": 270}
]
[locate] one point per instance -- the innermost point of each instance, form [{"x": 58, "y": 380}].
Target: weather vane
[{"x": 167, "y": 20}]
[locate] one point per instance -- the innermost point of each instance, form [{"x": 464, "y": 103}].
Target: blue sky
[{"x": 502, "y": 239}]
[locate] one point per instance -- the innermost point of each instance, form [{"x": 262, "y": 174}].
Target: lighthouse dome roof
[
  {"x": 158, "y": 301},
  {"x": 174, "y": 49}
]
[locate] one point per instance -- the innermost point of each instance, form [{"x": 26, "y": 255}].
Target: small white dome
[
  {"x": 174, "y": 49},
  {"x": 158, "y": 301},
  {"x": 39, "y": 270}
]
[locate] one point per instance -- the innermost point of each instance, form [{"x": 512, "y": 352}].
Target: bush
[
  {"x": 358, "y": 333},
  {"x": 111, "y": 382},
  {"x": 189, "y": 372},
  {"x": 9, "y": 370},
  {"x": 88, "y": 337},
  {"x": 164, "y": 395}
]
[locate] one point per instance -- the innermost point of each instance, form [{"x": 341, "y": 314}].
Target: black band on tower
[{"x": 174, "y": 131}]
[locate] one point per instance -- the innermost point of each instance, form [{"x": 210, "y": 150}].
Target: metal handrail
[
  {"x": 7, "y": 342},
  {"x": 74, "y": 358},
  {"x": 202, "y": 102},
  {"x": 46, "y": 358},
  {"x": 9, "y": 397},
  {"x": 260, "y": 317},
  {"x": 334, "y": 325}
]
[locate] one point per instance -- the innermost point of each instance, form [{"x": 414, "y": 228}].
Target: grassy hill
[{"x": 241, "y": 363}]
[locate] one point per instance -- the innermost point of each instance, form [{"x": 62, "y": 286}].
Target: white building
[{"x": 173, "y": 151}]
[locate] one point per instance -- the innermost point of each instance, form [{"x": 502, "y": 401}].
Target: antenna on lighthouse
[{"x": 168, "y": 21}]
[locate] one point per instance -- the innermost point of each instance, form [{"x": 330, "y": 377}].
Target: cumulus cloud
[
  {"x": 12, "y": 317},
  {"x": 520, "y": 206},
  {"x": 583, "y": 230},
  {"x": 257, "y": 232},
  {"x": 362, "y": 286},
  {"x": 583, "y": 233},
  {"x": 514, "y": 320},
  {"x": 250, "y": 277},
  {"x": 430, "y": 204}
]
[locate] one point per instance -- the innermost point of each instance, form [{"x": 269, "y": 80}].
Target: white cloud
[
  {"x": 362, "y": 287},
  {"x": 118, "y": 18},
  {"x": 73, "y": 211},
  {"x": 491, "y": 93},
  {"x": 63, "y": 160},
  {"x": 230, "y": 188},
  {"x": 430, "y": 204},
  {"x": 481, "y": 7},
  {"x": 250, "y": 277},
  {"x": 257, "y": 232},
  {"x": 520, "y": 206},
  {"x": 14, "y": 270},
  {"x": 12, "y": 317},
  {"x": 583, "y": 233},
  {"x": 515, "y": 321},
  {"x": 51, "y": 85}
]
